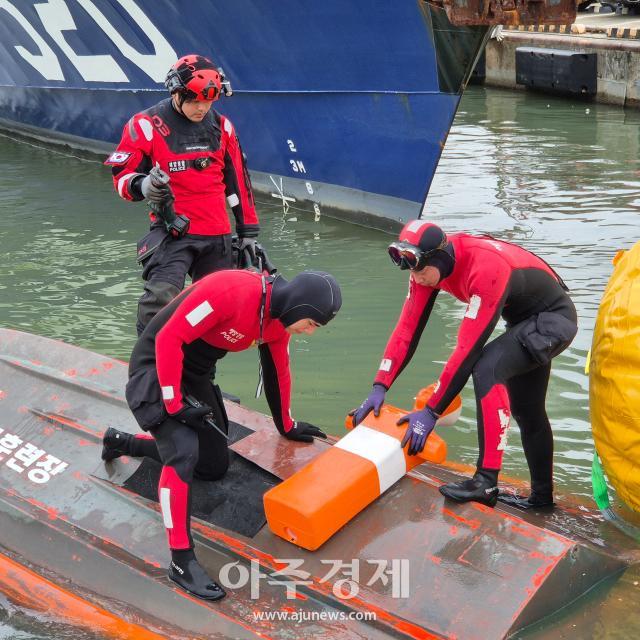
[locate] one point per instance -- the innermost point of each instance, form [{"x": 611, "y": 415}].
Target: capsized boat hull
[{"x": 463, "y": 571}]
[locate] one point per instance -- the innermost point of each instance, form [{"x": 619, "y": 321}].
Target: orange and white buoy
[
  {"x": 452, "y": 412},
  {"x": 310, "y": 506}
]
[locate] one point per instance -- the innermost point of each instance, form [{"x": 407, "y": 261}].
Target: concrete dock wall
[{"x": 618, "y": 61}]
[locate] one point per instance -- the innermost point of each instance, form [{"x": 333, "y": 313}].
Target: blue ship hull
[{"x": 343, "y": 108}]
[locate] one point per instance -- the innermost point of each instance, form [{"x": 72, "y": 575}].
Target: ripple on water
[{"x": 561, "y": 182}]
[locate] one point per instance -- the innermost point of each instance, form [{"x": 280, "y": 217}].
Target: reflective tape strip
[
  {"x": 381, "y": 449},
  {"x": 385, "y": 365},
  {"x": 233, "y": 200},
  {"x": 122, "y": 183},
  {"x": 165, "y": 506},
  {"x": 474, "y": 307},
  {"x": 167, "y": 393},
  {"x": 147, "y": 128},
  {"x": 199, "y": 313},
  {"x": 505, "y": 421}
]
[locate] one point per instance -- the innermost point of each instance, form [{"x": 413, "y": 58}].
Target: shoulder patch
[
  {"x": 118, "y": 157},
  {"x": 228, "y": 127}
]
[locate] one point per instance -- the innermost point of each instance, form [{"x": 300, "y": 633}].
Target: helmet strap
[{"x": 178, "y": 101}]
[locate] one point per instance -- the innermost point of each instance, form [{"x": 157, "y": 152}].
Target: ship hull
[{"x": 342, "y": 110}]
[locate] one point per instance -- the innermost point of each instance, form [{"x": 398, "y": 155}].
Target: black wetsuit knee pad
[{"x": 178, "y": 447}]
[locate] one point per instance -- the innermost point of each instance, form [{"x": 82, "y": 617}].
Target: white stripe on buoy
[{"x": 381, "y": 449}]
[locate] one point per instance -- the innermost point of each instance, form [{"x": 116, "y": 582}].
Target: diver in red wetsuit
[
  {"x": 172, "y": 361},
  {"x": 510, "y": 373},
  {"x": 197, "y": 149}
]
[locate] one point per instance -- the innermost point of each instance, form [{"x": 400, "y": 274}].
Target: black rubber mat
[{"x": 234, "y": 502}]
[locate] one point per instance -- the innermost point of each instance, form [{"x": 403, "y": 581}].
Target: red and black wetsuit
[
  {"x": 207, "y": 170},
  {"x": 175, "y": 355},
  {"x": 496, "y": 279}
]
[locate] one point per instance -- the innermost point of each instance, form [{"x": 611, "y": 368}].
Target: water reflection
[
  {"x": 560, "y": 178},
  {"x": 563, "y": 180}
]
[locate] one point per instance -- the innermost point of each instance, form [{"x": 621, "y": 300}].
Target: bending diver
[{"x": 510, "y": 373}]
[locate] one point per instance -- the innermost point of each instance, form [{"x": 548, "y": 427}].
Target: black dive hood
[
  {"x": 310, "y": 294},
  {"x": 444, "y": 260}
]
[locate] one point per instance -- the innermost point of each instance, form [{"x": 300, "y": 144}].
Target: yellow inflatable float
[{"x": 614, "y": 378}]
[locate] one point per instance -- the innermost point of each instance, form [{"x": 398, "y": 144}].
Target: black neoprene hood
[{"x": 310, "y": 294}]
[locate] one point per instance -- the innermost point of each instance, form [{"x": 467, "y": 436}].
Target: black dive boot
[
  {"x": 115, "y": 444},
  {"x": 541, "y": 497},
  {"x": 187, "y": 573},
  {"x": 483, "y": 487},
  {"x": 534, "y": 501}
]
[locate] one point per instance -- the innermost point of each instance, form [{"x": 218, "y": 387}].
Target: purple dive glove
[
  {"x": 374, "y": 402},
  {"x": 421, "y": 424}
]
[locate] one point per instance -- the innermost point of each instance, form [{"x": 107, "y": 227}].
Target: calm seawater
[{"x": 561, "y": 178}]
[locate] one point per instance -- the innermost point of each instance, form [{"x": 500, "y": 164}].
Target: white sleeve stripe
[
  {"x": 123, "y": 181},
  {"x": 199, "y": 313},
  {"x": 167, "y": 393}
]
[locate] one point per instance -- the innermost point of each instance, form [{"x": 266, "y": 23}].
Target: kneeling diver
[{"x": 172, "y": 362}]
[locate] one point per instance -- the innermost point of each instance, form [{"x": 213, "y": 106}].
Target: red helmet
[
  {"x": 418, "y": 243},
  {"x": 195, "y": 78},
  {"x": 425, "y": 235}
]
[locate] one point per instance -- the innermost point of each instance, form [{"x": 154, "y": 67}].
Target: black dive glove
[
  {"x": 304, "y": 432},
  {"x": 193, "y": 416},
  {"x": 248, "y": 245},
  {"x": 198, "y": 416}
]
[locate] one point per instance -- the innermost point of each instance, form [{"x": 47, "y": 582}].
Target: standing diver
[
  {"x": 185, "y": 159},
  {"x": 510, "y": 373},
  {"x": 172, "y": 362}
]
